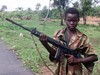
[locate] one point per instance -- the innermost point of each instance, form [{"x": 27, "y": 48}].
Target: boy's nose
[{"x": 71, "y": 22}]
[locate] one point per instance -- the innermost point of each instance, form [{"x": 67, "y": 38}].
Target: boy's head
[
  {"x": 71, "y": 11},
  {"x": 71, "y": 18}
]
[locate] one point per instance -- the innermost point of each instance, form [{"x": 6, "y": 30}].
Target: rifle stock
[{"x": 64, "y": 48}]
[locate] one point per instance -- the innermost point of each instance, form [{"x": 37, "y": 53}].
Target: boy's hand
[
  {"x": 43, "y": 38},
  {"x": 71, "y": 59}
]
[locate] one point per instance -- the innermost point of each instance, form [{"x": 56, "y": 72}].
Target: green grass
[{"x": 26, "y": 49}]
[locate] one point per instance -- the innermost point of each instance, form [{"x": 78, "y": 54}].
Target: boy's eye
[{"x": 72, "y": 20}]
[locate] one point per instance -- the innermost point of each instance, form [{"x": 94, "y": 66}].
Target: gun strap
[
  {"x": 67, "y": 42},
  {"x": 41, "y": 55},
  {"x": 66, "y": 37}
]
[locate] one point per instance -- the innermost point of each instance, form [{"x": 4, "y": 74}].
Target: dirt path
[{"x": 9, "y": 64}]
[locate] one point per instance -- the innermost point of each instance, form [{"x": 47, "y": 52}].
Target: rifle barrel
[
  {"x": 49, "y": 39},
  {"x": 18, "y": 24}
]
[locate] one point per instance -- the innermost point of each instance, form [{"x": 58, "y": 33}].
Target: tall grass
[{"x": 26, "y": 49}]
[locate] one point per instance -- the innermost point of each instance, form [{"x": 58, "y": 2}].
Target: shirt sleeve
[
  {"x": 52, "y": 59},
  {"x": 87, "y": 47},
  {"x": 56, "y": 36}
]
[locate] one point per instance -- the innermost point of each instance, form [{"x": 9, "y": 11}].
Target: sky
[{"x": 13, "y": 4}]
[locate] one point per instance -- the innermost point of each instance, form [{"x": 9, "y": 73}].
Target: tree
[
  {"x": 29, "y": 9},
  {"x": 47, "y": 13},
  {"x": 95, "y": 2},
  {"x": 95, "y": 10},
  {"x": 20, "y": 14},
  {"x": 2, "y": 13},
  {"x": 76, "y": 5},
  {"x": 3, "y": 8},
  {"x": 44, "y": 12},
  {"x": 19, "y": 9},
  {"x": 54, "y": 13},
  {"x": 38, "y": 5},
  {"x": 86, "y": 8},
  {"x": 61, "y": 5}
]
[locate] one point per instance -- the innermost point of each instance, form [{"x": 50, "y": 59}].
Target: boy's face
[{"x": 71, "y": 21}]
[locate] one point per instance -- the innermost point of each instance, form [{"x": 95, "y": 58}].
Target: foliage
[
  {"x": 95, "y": 11},
  {"x": 38, "y": 5},
  {"x": 54, "y": 13},
  {"x": 76, "y": 4},
  {"x": 61, "y": 5},
  {"x": 4, "y": 7},
  {"x": 86, "y": 7},
  {"x": 44, "y": 12}
]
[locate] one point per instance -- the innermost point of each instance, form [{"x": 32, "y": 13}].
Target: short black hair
[{"x": 72, "y": 11}]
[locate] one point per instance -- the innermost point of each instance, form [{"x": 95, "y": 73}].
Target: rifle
[{"x": 62, "y": 48}]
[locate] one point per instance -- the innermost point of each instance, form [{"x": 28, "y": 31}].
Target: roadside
[{"x": 9, "y": 64}]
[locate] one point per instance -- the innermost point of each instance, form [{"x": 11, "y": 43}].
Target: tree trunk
[
  {"x": 47, "y": 13},
  {"x": 61, "y": 17},
  {"x": 84, "y": 17},
  {"x": 61, "y": 23},
  {"x": 84, "y": 20}
]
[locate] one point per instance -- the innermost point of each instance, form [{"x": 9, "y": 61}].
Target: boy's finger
[{"x": 68, "y": 55}]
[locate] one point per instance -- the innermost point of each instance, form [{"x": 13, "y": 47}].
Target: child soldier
[{"x": 74, "y": 39}]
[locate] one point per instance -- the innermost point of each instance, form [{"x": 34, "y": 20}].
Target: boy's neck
[{"x": 71, "y": 31}]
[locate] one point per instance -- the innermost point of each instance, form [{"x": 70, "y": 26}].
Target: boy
[{"x": 74, "y": 39}]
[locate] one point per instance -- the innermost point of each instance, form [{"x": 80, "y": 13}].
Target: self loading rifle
[{"x": 62, "y": 48}]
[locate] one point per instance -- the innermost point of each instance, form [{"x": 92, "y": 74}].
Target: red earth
[{"x": 91, "y": 20}]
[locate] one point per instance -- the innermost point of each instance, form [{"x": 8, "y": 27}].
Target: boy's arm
[
  {"x": 72, "y": 60},
  {"x": 43, "y": 40}
]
